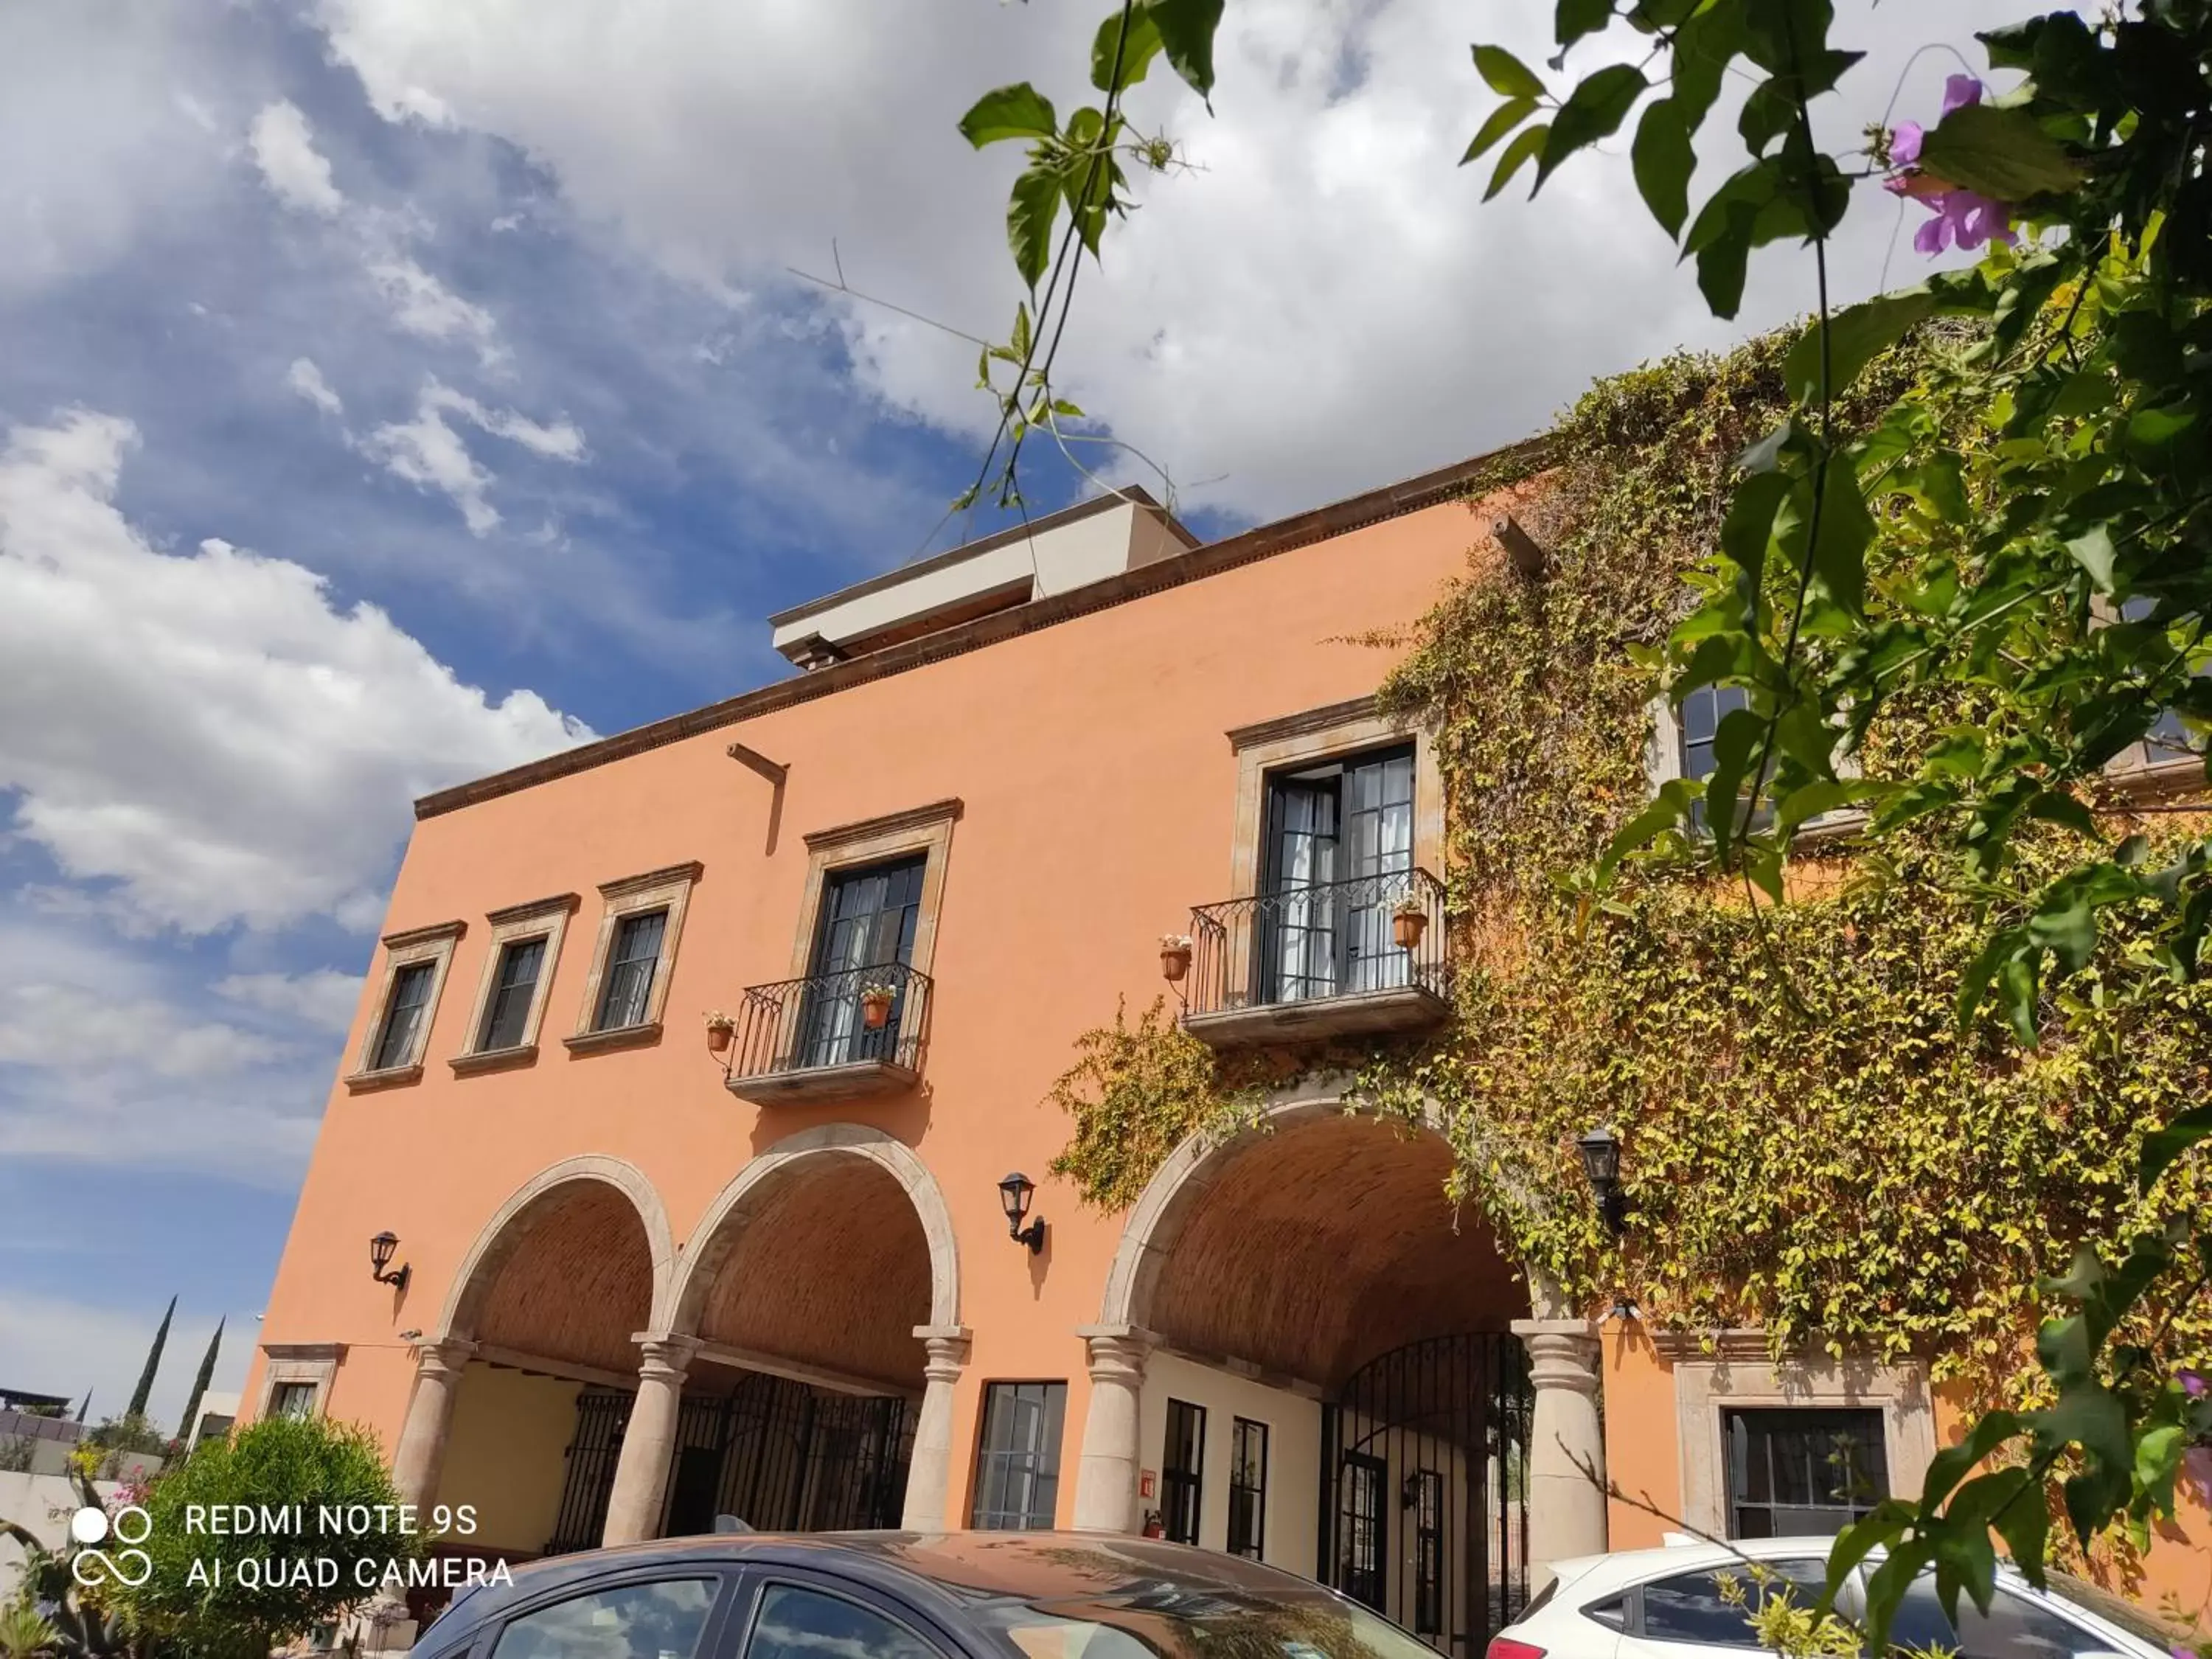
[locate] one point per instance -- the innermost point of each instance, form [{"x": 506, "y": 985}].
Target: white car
[{"x": 1668, "y": 1604}]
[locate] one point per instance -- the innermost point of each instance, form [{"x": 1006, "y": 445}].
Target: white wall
[{"x": 1293, "y": 1421}]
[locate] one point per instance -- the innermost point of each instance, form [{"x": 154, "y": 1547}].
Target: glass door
[
  {"x": 866, "y": 939},
  {"x": 1339, "y": 849}
]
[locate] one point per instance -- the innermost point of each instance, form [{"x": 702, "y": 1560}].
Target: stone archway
[
  {"x": 828, "y": 1264},
  {"x": 543, "y": 1308},
  {"x": 1296, "y": 1257}
]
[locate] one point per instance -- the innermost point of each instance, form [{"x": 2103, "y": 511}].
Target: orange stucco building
[{"x": 640, "y": 1274}]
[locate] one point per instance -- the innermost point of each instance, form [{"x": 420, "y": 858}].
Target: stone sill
[
  {"x": 622, "y": 1036},
  {"x": 807, "y": 1084},
  {"x": 1317, "y": 1019},
  {"x": 493, "y": 1059},
  {"x": 391, "y": 1077}
]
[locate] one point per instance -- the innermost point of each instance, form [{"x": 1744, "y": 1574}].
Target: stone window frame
[
  {"x": 315, "y": 1363},
  {"x": 1662, "y": 764},
  {"x": 667, "y": 889},
  {"x": 546, "y": 918},
  {"x": 926, "y": 829},
  {"x": 1335, "y": 731},
  {"x": 434, "y": 945},
  {"x": 1719, "y": 1371}
]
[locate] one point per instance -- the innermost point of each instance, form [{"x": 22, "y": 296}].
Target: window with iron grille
[
  {"x": 292, "y": 1400},
  {"x": 631, "y": 961},
  {"x": 1796, "y": 1473},
  {"x": 1428, "y": 1553},
  {"x": 402, "y": 1016},
  {"x": 1248, "y": 1488},
  {"x": 514, "y": 983},
  {"x": 1017, "y": 1475},
  {"x": 1181, "y": 1478}
]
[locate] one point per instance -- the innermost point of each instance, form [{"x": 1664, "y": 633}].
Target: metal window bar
[
  {"x": 783, "y": 1457},
  {"x": 602, "y": 1416},
  {"x": 1248, "y": 1489},
  {"x": 1267, "y": 949},
  {"x": 802, "y": 1024},
  {"x": 411, "y": 993},
  {"x": 1018, "y": 1475},
  {"x": 1181, "y": 1471},
  {"x": 630, "y": 964},
  {"x": 516, "y": 983}
]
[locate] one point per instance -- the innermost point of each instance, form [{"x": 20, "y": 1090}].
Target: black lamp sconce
[
  {"x": 1014, "y": 1192},
  {"x": 379, "y": 1262},
  {"x": 1601, "y": 1151}
]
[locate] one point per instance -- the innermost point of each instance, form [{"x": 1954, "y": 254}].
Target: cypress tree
[
  {"x": 138, "y": 1395},
  {"x": 186, "y": 1422}
]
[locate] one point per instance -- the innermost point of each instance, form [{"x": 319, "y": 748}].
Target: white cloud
[
  {"x": 428, "y": 453},
  {"x": 304, "y": 378},
  {"x": 323, "y": 998},
  {"x": 1323, "y": 305},
  {"x": 207, "y": 731},
  {"x": 295, "y": 172},
  {"x": 55, "y": 1345},
  {"x": 426, "y": 307},
  {"x": 63, "y": 1026}
]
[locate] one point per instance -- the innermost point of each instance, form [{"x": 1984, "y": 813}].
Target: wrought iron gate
[
  {"x": 1424, "y": 1481},
  {"x": 782, "y": 1457},
  {"x": 602, "y": 1415}
]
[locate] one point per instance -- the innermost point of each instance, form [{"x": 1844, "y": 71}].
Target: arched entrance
[
  {"x": 1305, "y": 1354},
  {"x": 816, "y": 1305},
  {"x": 523, "y": 1386}
]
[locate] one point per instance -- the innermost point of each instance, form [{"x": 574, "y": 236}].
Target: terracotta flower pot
[
  {"x": 1175, "y": 962},
  {"x": 875, "y": 1009},
  {"x": 718, "y": 1039},
  {"x": 1406, "y": 927}
]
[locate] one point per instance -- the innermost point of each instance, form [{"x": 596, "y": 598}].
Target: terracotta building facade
[{"x": 606, "y": 1273}]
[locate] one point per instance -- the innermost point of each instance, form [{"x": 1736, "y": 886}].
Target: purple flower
[
  {"x": 1959, "y": 91},
  {"x": 1963, "y": 219},
  {"x": 2191, "y": 1384},
  {"x": 1905, "y": 144}
]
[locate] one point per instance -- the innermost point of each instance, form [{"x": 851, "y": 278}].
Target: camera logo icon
[{"x": 128, "y": 1566}]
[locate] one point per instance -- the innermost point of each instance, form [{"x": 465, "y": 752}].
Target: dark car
[{"x": 907, "y": 1596}]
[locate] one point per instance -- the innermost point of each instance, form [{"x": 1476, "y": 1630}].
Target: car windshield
[
  {"x": 1176, "y": 1623},
  {"x": 2115, "y": 1610}
]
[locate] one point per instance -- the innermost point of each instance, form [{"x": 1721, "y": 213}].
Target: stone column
[
  {"x": 421, "y": 1455},
  {"x": 649, "y": 1442},
  {"x": 929, "y": 1476},
  {"x": 1106, "y": 1479},
  {"x": 1566, "y": 1449}
]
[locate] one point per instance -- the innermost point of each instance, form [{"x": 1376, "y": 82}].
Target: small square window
[
  {"x": 631, "y": 962},
  {"x": 403, "y": 1014},
  {"x": 514, "y": 985},
  {"x": 296, "y": 1399},
  {"x": 1795, "y": 1473}
]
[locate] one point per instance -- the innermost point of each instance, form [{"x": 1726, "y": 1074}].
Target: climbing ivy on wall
[{"x": 1814, "y": 1145}]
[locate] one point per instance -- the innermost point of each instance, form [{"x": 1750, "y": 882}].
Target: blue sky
[{"x": 393, "y": 390}]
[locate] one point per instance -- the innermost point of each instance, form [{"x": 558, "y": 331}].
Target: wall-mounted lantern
[
  {"x": 1014, "y": 1194},
  {"x": 1601, "y": 1152},
  {"x": 380, "y": 1249}
]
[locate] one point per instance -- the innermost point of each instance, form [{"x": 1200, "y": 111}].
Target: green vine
[{"x": 1814, "y": 1145}]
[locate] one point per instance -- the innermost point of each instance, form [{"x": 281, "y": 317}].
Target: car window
[
  {"x": 661, "y": 1619},
  {"x": 795, "y": 1622},
  {"x": 1612, "y": 1615},
  {"x": 1716, "y": 1606},
  {"x": 2014, "y": 1628}
]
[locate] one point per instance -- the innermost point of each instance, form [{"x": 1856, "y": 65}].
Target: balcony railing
[
  {"x": 811, "y": 1039},
  {"x": 1321, "y": 960}
]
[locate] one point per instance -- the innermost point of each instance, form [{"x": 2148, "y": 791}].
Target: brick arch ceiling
[
  {"x": 1327, "y": 1245},
  {"x": 577, "y": 1283},
  {"x": 831, "y": 1268}
]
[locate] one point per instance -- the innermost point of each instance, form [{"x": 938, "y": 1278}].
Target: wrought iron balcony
[
  {"x": 829, "y": 1036},
  {"x": 1338, "y": 958}
]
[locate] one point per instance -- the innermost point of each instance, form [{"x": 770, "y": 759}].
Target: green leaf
[
  {"x": 1017, "y": 112},
  {"x": 2090, "y": 1415},
  {"x": 1507, "y": 74},
  {"x": 1663, "y": 160},
  {"x": 1186, "y": 29},
  {"x": 1503, "y": 120},
  {"x": 2002, "y": 153},
  {"x": 1667, "y": 808},
  {"x": 1733, "y": 741},
  {"x": 1030, "y": 211},
  {"x": 1845, "y": 529},
  {"x": 1704, "y": 47},
  {"x": 2024, "y": 1523},
  {"x": 1857, "y": 336},
  {"x": 2094, "y": 551},
  {"x": 1750, "y": 518},
  {"x": 1143, "y": 44},
  {"x": 1575, "y": 18},
  {"x": 2160, "y": 1147},
  {"x": 1593, "y": 111},
  {"x": 1525, "y": 144},
  {"x": 2158, "y": 1459},
  {"x": 1954, "y": 1463},
  {"x": 1974, "y": 983}
]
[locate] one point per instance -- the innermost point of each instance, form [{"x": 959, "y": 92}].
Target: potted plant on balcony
[
  {"x": 876, "y": 1006},
  {"x": 720, "y": 1026},
  {"x": 1175, "y": 956},
  {"x": 1409, "y": 919}
]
